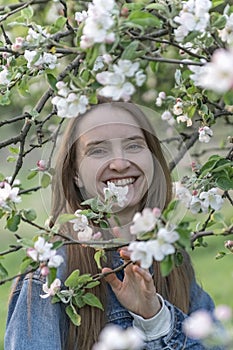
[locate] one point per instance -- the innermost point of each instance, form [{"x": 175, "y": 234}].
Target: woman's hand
[{"x": 136, "y": 292}]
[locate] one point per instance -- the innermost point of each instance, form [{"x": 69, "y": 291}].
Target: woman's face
[{"x": 112, "y": 148}]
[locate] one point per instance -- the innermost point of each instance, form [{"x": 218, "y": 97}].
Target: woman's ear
[{"x": 78, "y": 181}]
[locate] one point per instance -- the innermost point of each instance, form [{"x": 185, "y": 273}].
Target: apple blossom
[
  {"x": 205, "y": 134},
  {"x": 166, "y": 115},
  {"x": 183, "y": 194},
  {"x": 195, "y": 205},
  {"x": 194, "y": 16},
  {"x": 85, "y": 234},
  {"x": 178, "y": 107},
  {"x": 211, "y": 199},
  {"x": 79, "y": 223},
  {"x": 140, "y": 252},
  {"x": 38, "y": 34},
  {"x": 217, "y": 75},
  {"x": 52, "y": 290},
  {"x": 41, "y": 164},
  {"x": 18, "y": 44},
  {"x": 8, "y": 193},
  {"x": 184, "y": 119},
  {"x": 71, "y": 105},
  {"x": 223, "y": 313},
  {"x": 124, "y": 339},
  {"x": 143, "y": 222},
  {"x": 40, "y": 60},
  {"x": 116, "y": 193},
  {"x": 55, "y": 260},
  {"x": 80, "y": 16},
  {"x": 226, "y": 34},
  {"x": 4, "y": 74},
  {"x": 199, "y": 325}
]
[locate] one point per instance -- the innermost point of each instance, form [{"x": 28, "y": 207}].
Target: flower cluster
[
  {"x": 43, "y": 252},
  {"x": 158, "y": 248},
  {"x": 115, "y": 194},
  {"x": 200, "y": 202},
  {"x": 194, "y": 16},
  {"x": 81, "y": 225},
  {"x": 52, "y": 290},
  {"x": 205, "y": 134},
  {"x": 4, "y": 73},
  {"x": 226, "y": 34},
  {"x": 8, "y": 194},
  {"x": 117, "y": 81},
  {"x": 39, "y": 60},
  {"x": 98, "y": 23},
  {"x": 201, "y": 325},
  {"x": 68, "y": 103},
  {"x": 129, "y": 339},
  {"x": 216, "y": 75}
]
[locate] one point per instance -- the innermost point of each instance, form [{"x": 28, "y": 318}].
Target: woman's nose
[{"x": 119, "y": 164}]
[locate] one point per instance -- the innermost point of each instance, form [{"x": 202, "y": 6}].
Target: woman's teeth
[{"x": 123, "y": 182}]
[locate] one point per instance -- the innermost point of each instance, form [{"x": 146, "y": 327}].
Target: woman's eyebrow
[{"x": 94, "y": 143}]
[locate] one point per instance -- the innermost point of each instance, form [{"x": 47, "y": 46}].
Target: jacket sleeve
[{"x": 34, "y": 323}]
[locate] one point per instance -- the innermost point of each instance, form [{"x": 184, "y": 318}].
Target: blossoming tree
[{"x": 57, "y": 59}]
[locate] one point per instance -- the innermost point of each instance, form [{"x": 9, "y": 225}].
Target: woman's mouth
[{"x": 122, "y": 182}]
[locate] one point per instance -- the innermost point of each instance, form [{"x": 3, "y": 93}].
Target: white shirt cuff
[{"x": 155, "y": 327}]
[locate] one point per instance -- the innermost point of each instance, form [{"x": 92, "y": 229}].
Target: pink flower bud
[
  {"x": 195, "y": 192},
  {"x": 97, "y": 235},
  {"x": 44, "y": 271},
  {"x": 229, "y": 245},
  {"x": 223, "y": 313},
  {"x": 156, "y": 212},
  {"x": 41, "y": 165}
]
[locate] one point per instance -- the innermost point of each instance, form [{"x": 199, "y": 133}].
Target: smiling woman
[{"x": 113, "y": 145}]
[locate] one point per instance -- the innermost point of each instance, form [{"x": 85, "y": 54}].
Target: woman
[{"x": 112, "y": 142}]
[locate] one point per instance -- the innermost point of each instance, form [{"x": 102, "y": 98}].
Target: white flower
[
  {"x": 199, "y": 325},
  {"x": 226, "y": 34},
  {"x": 40, "y": 60},
  {"x": 55, "y": 260},
  {"x": 18, "y": 44},
  {"x": 178, "y": 107},
  {"x": 140, "y": 78},
  {"x": 42, "y": 250},
  {"x": 81, "y": 222},
  {"x": 8, "y": 193},
  {"x": 217, "y": 75},
  {"x": 184, "y": 119},
  {"x": 124, "y": 339},
  {"x": 80, "y": 16},
  {"x": 211, "y": 199},
  {"x": 205, "y": 134},
  {"x": 98, "y": 23},
  {"x": 4, "y": 73},
  {"x": 99, "y": 63},
  {"x": 143, "y": 222},
  {"x": 38, "y": 35},
  {"x": 183, "y": 194},
  {"x": 223, "y": 313},
  {"x": 52, "y": 290},
  {"x": 116, "y": 193},
  {"x": 195, "y": 205},
  {"x": 166, "y": 115},
  {"x": 194, "y": 16},
  {"x": 70, "y": 106},
  {"x": 140, "y": 252},
  {"x": 126, "y": 67},
  {"x": 85, "y": 234}
]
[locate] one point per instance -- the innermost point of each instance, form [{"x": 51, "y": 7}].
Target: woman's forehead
[{"x": 106, "y": 118}]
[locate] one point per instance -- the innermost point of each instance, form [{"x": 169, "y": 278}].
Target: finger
[
  {"x": 112, "y": 279},
  {"x": 116, "y": 232},
  {"x": 144, "y": 273}
]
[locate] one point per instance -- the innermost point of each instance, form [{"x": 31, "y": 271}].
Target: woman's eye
[
  {"x": 97, "y": 152},
  {"x": 134, "y": 147}
]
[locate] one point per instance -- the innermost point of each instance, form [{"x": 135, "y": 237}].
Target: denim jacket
[{"x": 45, "y": 326}]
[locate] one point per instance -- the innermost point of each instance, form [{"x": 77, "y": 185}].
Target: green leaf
[
  {"x": 166, "y": 266},
  {"x": 30, "y": 214},
  {"x": 3, "y": 272},
  {"x": 32, "y": 174},
  {"x": 224, "y": 183},
  {"x": 92, "y": 300},
  {"x": 60, "y": 22},
  {"x": 14, "y": 150},
  {"x": 73, "y": 315},
  {"x": 11, "y": 159},
  {"x": 45, "y": 180},
  {"x": 52, "y": 81},
  {"x": 99, "y": 254},
  {"x": 78, "y": 301},
  {"x": 13, "y": 222},
  {"x": 92, "y": 284},
  {"x": 57, "y": 244},
  {"x": 129, "y": 52},
  {"x": 83, "y": 279},
  {"x": 52, "y": 275},
  {"x": 71, "y": 281},
  {"x": 144, "y": 19},
  {"x": 27, "y": 12},
  {"x": 228, "y": 98},
  {"x": 62, "y": 219},
  {"x": 26, "y": 262}
]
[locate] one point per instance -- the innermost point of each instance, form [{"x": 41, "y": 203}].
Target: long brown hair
[{"x": 66, "y": 197}]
